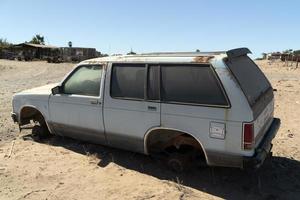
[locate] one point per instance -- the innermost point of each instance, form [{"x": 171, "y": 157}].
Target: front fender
[{"x": 37, "y": 102}]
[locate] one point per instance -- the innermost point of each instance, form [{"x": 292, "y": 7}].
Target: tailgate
[{"x": 263, "y": 122}]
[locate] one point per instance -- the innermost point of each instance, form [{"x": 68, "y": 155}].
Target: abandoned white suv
[{"x": 184, "y": 106}]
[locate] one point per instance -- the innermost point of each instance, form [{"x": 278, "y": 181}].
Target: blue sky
[{"x": 147, "y": 26}]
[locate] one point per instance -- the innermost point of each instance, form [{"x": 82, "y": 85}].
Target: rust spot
[
  {"x": 92, "y": 62},
  {"x": 182, "y": 140},
  {"x": 202, "y": 59}
]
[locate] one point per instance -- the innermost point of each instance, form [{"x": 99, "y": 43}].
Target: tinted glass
[
  {"x": 153, "y": 83},
  {"x": 128, "y": 81},
  {"x": 84, "y": 81},
  {"x": 191, "y": 84},
  {"x": 251, "y": 79}
]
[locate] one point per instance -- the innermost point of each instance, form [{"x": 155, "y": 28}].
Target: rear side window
[
  {"x": 128, "y": 81},
  {"x": 195, "y": 84},
  {"x": 251, "y": 79}
]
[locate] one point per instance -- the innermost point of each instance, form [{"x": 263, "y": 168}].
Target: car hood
[{"x": 43, "y": 90}]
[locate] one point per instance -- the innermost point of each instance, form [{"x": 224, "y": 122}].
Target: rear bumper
[{"x": 264, "y": 148}]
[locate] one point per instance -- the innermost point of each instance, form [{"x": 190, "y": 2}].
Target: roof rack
[
  {"x": 183, "y": 54},
  {"x": 230, "y": 53}
]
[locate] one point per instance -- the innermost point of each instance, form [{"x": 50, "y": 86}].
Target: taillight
[{"x": 248, "y": 136}]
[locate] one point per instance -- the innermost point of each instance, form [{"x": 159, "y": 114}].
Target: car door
[
  {"x": 129, "y": 111},
  {"x": 77, "y": 110}
]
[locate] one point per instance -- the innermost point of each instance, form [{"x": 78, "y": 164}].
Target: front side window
[
  {"x": 128, "y": 81},
  {"x": 84, "y": 81},
  {"x": 196, "y": 84}
]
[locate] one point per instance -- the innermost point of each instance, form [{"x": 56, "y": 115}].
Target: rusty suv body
[{"x": 218, "y": 105}]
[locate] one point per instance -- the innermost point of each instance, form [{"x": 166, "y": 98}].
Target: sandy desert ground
[{"x": 62, "y": 168}]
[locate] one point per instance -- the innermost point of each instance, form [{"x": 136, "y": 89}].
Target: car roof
[
  {"x": 158, "y": 57},
  {"x": 170, "y": 57}
]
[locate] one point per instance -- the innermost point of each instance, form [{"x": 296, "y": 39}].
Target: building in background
[
  {"x": 76, "y": 54},
  {"x": 29, "y": 51},
  {"x": 273, "y": 56}
]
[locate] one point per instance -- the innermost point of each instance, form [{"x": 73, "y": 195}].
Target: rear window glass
[
  {"x": 128, "y": 81},
  {"x": 251, "y": 79},
  {"x": 191, "y": 84}
]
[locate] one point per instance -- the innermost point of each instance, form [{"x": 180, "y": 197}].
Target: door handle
[
  {"x": 153, "y": 108},
  {"x": 94, "y": 101}
]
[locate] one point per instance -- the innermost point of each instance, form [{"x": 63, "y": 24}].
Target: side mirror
[{"x": 56, "y": 90}]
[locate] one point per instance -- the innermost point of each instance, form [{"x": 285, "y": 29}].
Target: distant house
[
  {"x": 78, "y": 53},
  {"x": 30, "y": 51},
  {"x": 273, "y": 56}
]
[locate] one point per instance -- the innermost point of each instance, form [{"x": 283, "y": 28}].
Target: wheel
[
  {"x": 41, "y": 131},
  {"x": 178, "y": 162}
]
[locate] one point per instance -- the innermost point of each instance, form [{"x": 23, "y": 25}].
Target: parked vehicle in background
[
  {"x": 214, "y": 107},
  {"x": 6, "y": 54}
]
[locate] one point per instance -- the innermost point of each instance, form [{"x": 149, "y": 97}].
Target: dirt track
[{"x": 62, "y": 168}]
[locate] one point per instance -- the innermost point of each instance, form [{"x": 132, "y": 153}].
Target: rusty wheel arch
[
  {"x": 178, "y": 138},
  {"x": 28, "y": 113}
]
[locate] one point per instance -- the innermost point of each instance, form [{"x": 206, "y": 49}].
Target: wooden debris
[{"x": 11, "y": 148}]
